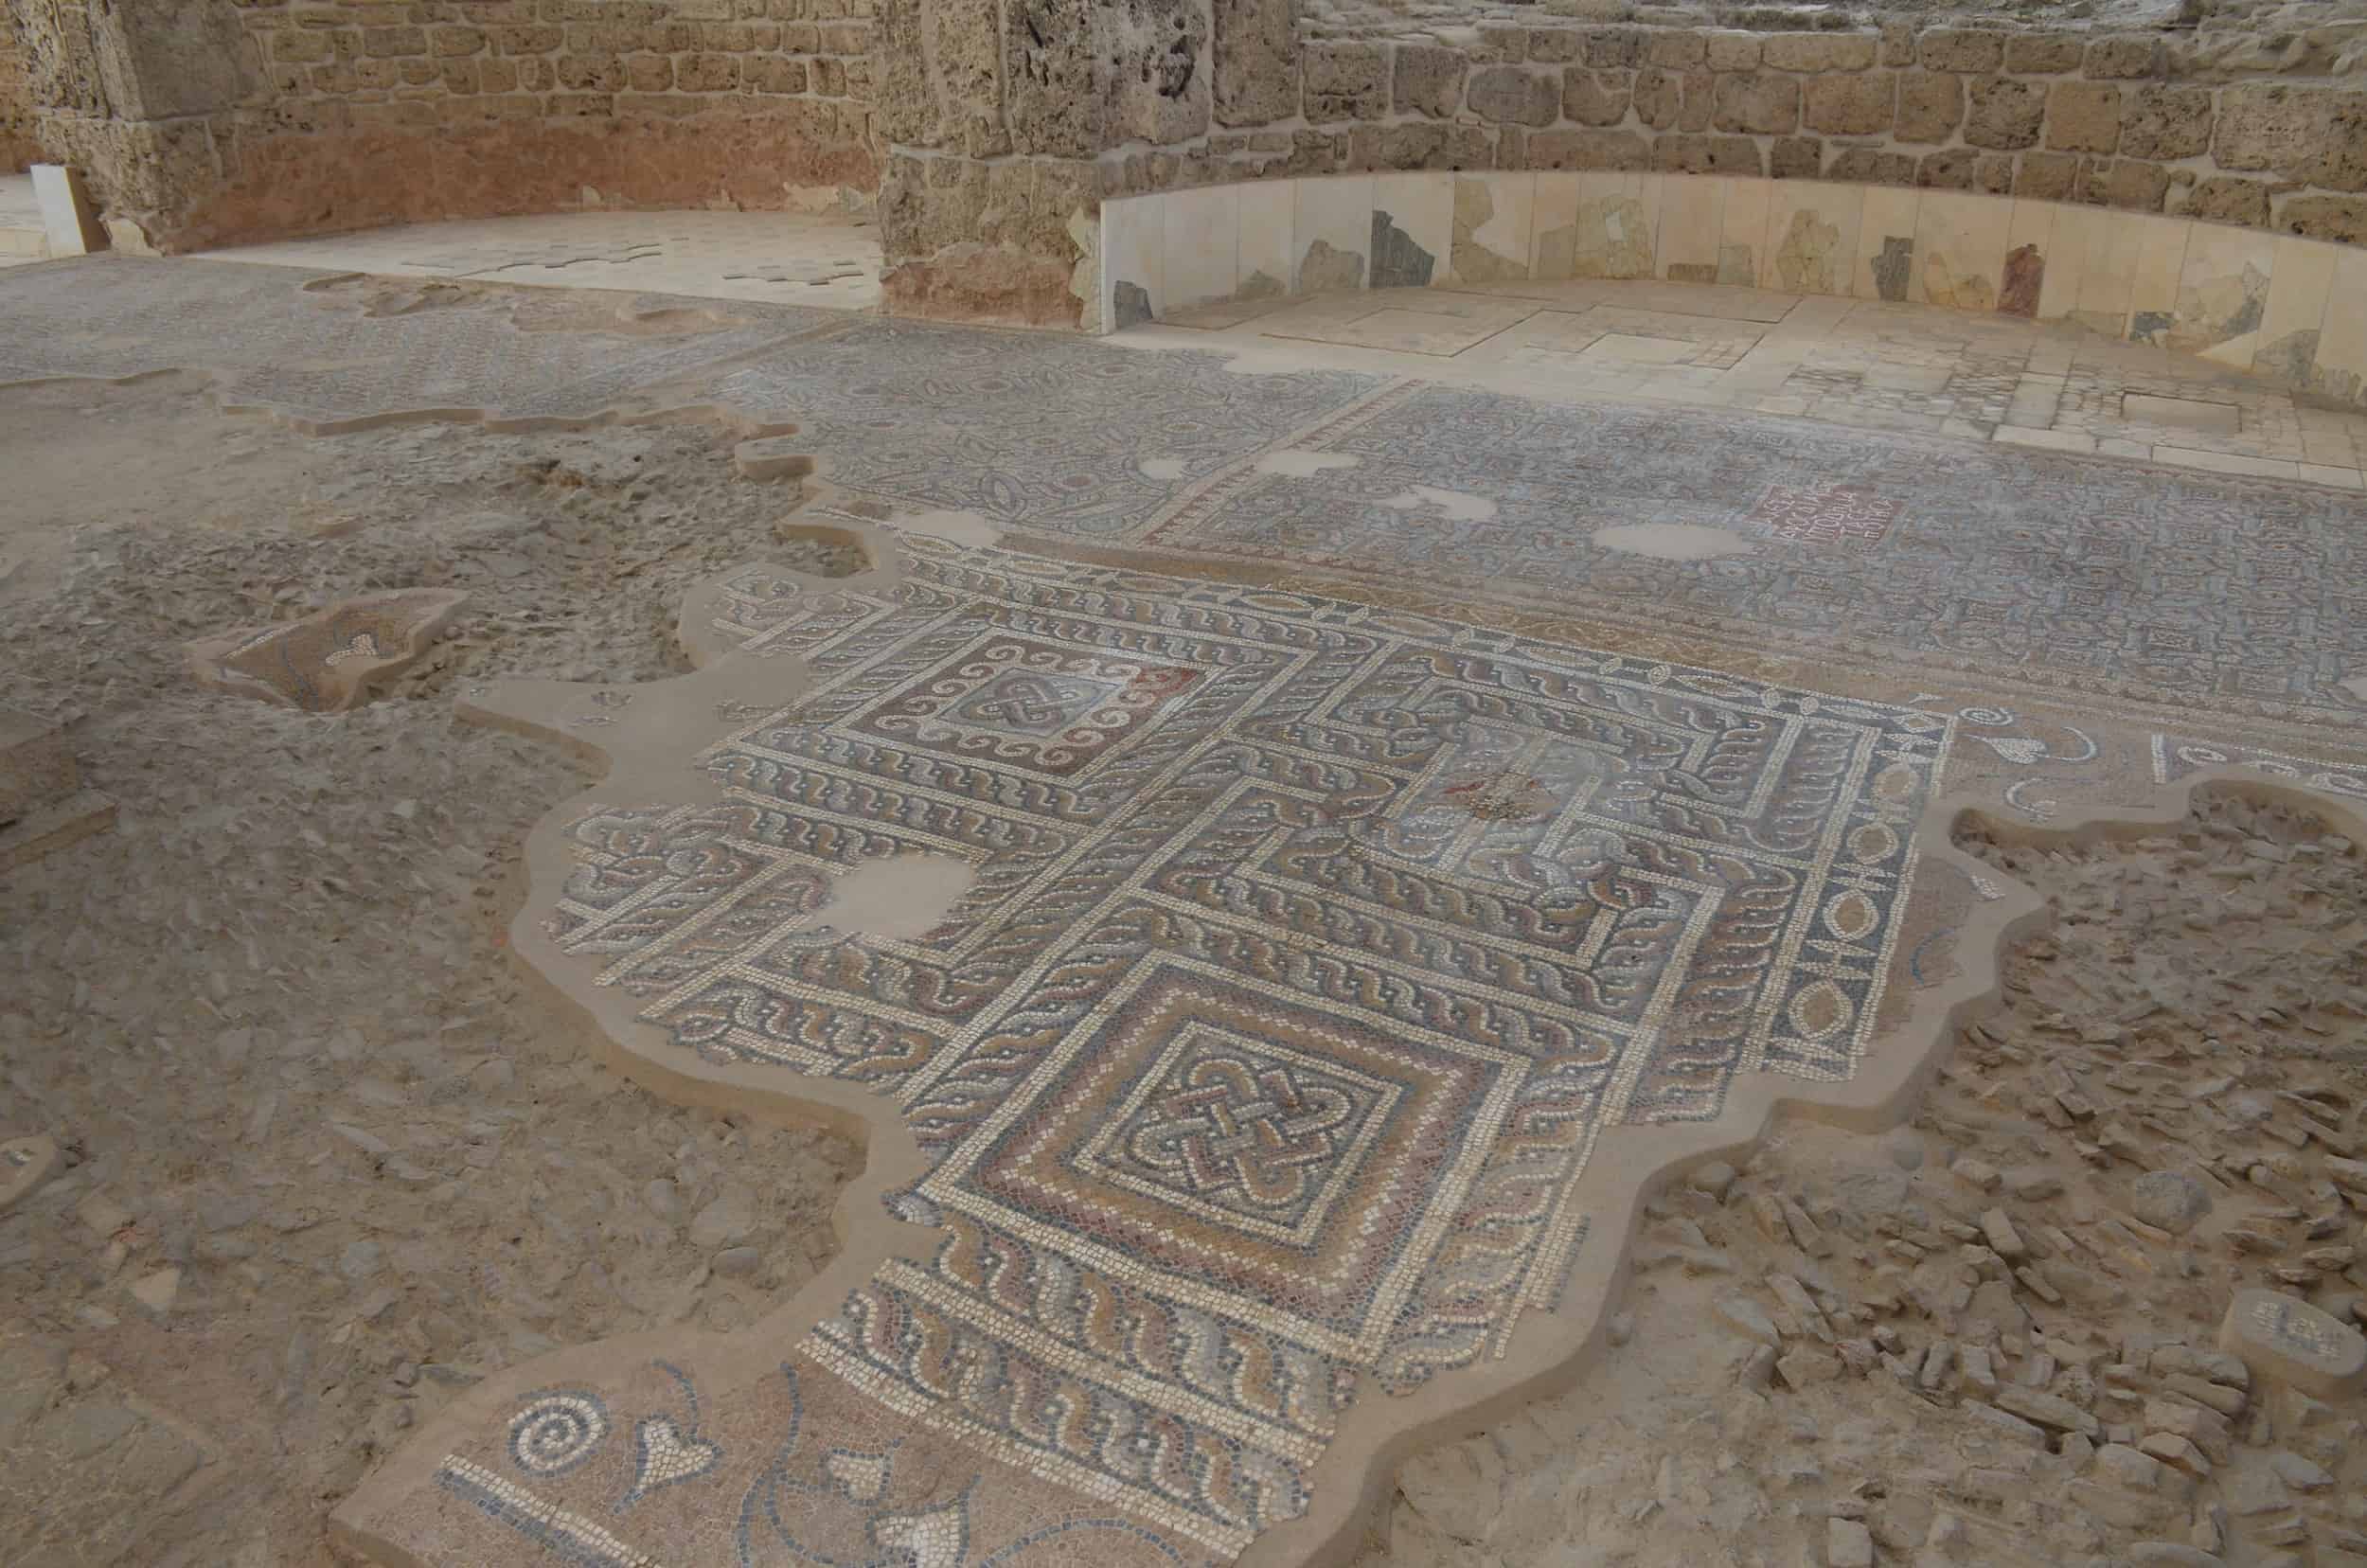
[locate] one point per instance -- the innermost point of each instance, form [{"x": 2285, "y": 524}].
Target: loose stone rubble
[
  {"x": 320, "y": 1161},
  {"x": 1969, "y": 1342}
]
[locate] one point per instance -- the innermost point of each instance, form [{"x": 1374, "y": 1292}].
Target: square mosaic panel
[
  {"x": 1845, "y": 515},
  {"x": 1311, "y": 947},
  {"x": 1267, "y": 1160}
]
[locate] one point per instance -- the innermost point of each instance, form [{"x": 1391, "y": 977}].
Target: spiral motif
[
  {"x": 1989, "y": 717},
  {"x": 556, "y": 1432}
]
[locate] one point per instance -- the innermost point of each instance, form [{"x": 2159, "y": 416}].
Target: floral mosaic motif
[
  {"x": 810, "y": 1504},
  {"x": 667, "y": 1453},
  {"x": 1310, "y": 948}
]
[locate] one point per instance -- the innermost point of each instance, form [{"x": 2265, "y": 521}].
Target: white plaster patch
[
  {"x": 900, "y": 898},
  {"x": 1457, "y": 506},
  {"x": 1304, "y": 465},
  {"x": 1161, "y": 468},
  {"x": 1673, "y": 541},
  {"x": 2355, "y": 685},
  {"x": 956, "y": 528}
]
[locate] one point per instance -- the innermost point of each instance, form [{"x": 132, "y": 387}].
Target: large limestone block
[
  {"x": 2295, "y": 1343},
  {"x": 166, "y": 59},
  {"x": 1256, "y": 63},
  {"x": 327, "y": 661}
]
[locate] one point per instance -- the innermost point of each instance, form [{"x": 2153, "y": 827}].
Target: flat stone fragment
[
  {"x": 2172, "y": 1449},
  {"x": 2002, "y": 1239},
  {"x": 2141, "y": 1472},
  {"x": 327, "y": 661},
  {"x": 2227, "y": 1402},
  {"x": 157, "y": 1291},
  {"x": 2001, "y": 1424},
  {"x": 2129, "y": 1510},
  {"x": 1803, "y": 1368},
  {"x": 2206, "y": 1429},
  {"x": 1747, "y": 1318},
  {"x": 2048, "y": 1410},
  {"x": 1847, "y": 1545},
  {"x": 771, "y": 458},
  {"x": 25, "y": 1164},
  {"x": 2294, "y": 1343},
  {"x": 2303, "y": 1475},
  {"x": 2172, "y": 1554}
]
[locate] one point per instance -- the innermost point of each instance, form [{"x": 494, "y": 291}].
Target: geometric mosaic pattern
[
  {"x": 2233, "y": 596},
  {"x": 2182, "y": 588},
  {"x": 1826, "y": 514},
  {"x": 2240, "y": 595},
  {"x": 1310, "y": 947},
  {"x": 1042, "y": 431}
]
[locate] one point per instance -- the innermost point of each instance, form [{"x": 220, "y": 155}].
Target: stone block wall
[
  {"x": 1161, "y": 95},
  {"x": 211, "y": 121},
  {"x": 18, "y": 150}
]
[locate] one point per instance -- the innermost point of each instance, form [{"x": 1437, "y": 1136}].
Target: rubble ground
[
  {"x": 1993, "y": 1336},
  {"x": 324, "y": 1161}
]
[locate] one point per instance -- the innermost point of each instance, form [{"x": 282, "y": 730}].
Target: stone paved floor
[
  {"x": 1394, "y": 814},
  {"x": 22, "y": 238},
  {"x": 784, "y": 259},
  {"x": 1872, "y": 365}
]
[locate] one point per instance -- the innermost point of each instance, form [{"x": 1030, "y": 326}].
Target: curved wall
[
  {"x": 2280, "y": 305},
  {"x": 1000, "y": 115}
]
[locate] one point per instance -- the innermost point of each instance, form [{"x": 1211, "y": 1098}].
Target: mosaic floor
[
  {"x": 779, "y": 257},
  {"x": 1872, "y": 366},
  {"x": 1311, "y": 950},
  {"x": 1399, "y": 818}
]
